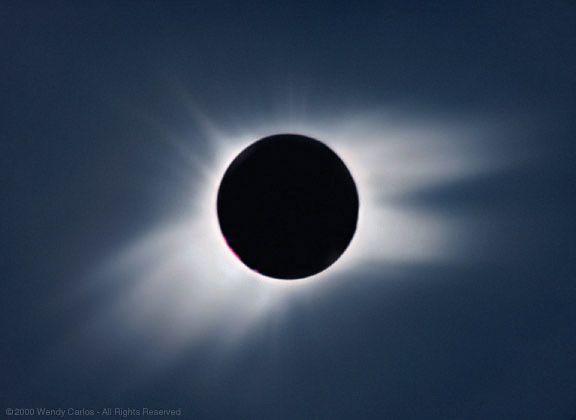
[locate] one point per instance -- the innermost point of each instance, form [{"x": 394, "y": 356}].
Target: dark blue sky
[{"x": 90, "y": 90}]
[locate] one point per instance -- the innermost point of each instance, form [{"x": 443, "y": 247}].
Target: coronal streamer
[{"x": 180, "y": 282}]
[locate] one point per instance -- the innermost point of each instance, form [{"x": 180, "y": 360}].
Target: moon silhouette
[{"x": 287, "y": 206}]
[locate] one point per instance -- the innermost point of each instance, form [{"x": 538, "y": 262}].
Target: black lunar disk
[{"x": 287, "y": 206}]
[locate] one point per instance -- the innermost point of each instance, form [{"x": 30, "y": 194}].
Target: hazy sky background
[{"x": 91, "y": 92}]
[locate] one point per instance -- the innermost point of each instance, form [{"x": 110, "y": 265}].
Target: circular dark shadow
[{"x": 287, "y": 206}]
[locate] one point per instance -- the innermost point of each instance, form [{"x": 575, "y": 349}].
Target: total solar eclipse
[{"x": 287, "y": 206}]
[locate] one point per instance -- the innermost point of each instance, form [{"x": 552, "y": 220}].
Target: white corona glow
[{"x": 180, "y": 282}]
